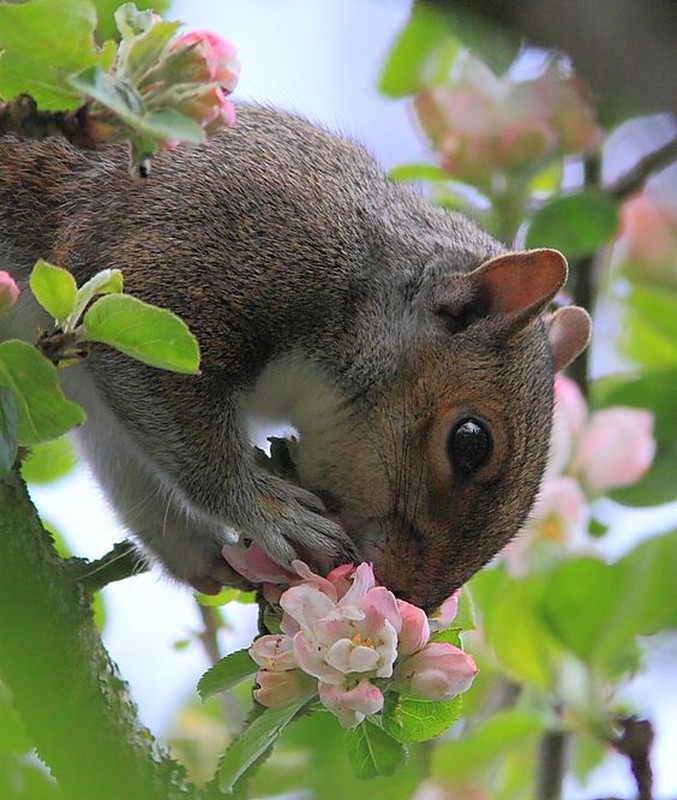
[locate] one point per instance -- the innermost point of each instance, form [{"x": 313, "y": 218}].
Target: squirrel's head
[{"x": 438, "y": 465}]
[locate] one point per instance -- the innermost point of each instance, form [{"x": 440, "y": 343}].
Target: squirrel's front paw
[{"x": 288, "y": 524}]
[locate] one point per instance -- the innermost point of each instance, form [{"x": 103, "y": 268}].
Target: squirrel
[{"x": 411, "y": 351}]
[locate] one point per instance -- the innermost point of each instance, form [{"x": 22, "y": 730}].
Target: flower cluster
[
  {"x": 590, "y": 453},
  {"x": 351, "y": 641},
  {"x": 481, "y": 123},
  {"x": 191, "y": 75},
  {"x": 9, "y": 291}
]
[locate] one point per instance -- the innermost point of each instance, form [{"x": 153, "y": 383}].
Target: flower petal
[
  {"x": 351, "y": 706},
  {"x": 274, "y": 652}
]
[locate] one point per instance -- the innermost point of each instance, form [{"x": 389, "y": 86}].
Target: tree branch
[
  {"x": 552, "y": 765},
  {"x": 123, "y": 561},
  {"x": 635, "y": 742},
  {"x": 635, "y": 179},
  {"x": 21, "y": 117},
  {"x": 65, "y": 687}
]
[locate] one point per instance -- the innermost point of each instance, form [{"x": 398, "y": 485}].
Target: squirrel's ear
[
  {"x": 518, "y": 286},
  {"x": 569, "y": 331}
]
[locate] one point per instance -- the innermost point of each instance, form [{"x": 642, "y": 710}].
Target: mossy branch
[{"x": 65, "y": 686}]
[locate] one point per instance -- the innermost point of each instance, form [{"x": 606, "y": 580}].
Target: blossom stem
[
  {"x": 552, "y": 762},
  {"x": 583, "y": 281}
]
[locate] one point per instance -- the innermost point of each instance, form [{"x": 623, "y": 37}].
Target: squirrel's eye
[{"x": 469, "y": 446}]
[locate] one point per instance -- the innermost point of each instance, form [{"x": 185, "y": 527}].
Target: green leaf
[
  {"x": 107, "y": 281},
  {"x": 462, "y": 759},
  {"x": 49, "y": 461},
  {"x": 9, "y": 430},
  {"x": 106, "y": 8},
  {"x": 54, "y": 288},
  {"x": 143, "y": 50},
  {"x": 422, "y": 54},
  {"x": 597, "y": 610},
  {"x": 650, "y": 328},
  {"x": 577, "y": 224},
  {"x": 373, "y": 752},
  {"x": 516, "y": 632},
  {"x": 152, "y": 335},
  {"x": 254, "y": 742},
  {"x": 226, "y": 595},
  {"x": 121, "y": 97},
  {"x": 409, "y": 719},
  {"x": 418, "y": 172},
  {"x": 114, "y": 93},
  {"x": 226, "y": 673},
  {"x": 44, "y": 40},
  {"x": 44, "y": 412},
  {"x": 171, "y": 124}
]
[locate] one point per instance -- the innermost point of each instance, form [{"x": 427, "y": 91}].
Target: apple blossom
[
  {"x": 647, "y": 246},
  {"x": 481, "y": 123},
  {"x": 615, "y": 449},
  {"x": 354, "y": 638},
  {"x": 9, "y": 291}
]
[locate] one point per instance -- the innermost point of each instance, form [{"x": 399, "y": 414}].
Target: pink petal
[
  {"x": 306, "y": 604},
  {"x": 363, "y": 582},
  {"x": 443, "y": 616},
  {"x": 309, "y": 577},
  {"x": 274, "y": 652},
  {"x": 351, "y": 706},
  {"x": 310, "y": 656},
  {"x": 380, "y": 604},
  {"x": 254, "y": 564},
  {"x": 415, "y": 630}
]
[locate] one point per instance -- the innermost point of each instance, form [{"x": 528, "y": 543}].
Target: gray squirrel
[{"x": 414, "y": 355}]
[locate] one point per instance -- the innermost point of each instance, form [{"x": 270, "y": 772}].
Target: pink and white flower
[
  {"x": 357, "y": 641},
  {"x": 481, "y": 123}
]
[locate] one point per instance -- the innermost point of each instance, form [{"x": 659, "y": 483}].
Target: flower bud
[
  {"x": 9, "y": 291},
  {"x": 616, "y": 448},
  {"x": 439, "y": 671},
  {"x": 279, "y": 689},
  {"x": 212, "y": 59}
]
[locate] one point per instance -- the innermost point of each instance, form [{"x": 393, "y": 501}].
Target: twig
[
  {"x": 123, "y": 561},
  {"x": 21, "y": 117},
  {"x": 552, "y": 764},
  {"x": 635, "y": 741},
  {"x": 635, "y": 179}
]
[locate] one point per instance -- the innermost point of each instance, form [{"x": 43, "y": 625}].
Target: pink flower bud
[
  {"x": 279, "y": 689},
  {"x": 9, "y": 291},
  {"x": 439, "y": 671},
  {"x": 351, "y": 706},
  {"x": 647, "y": 247},
  {"x": 415, "y": 630},
  {"x": 569, "y": 419},
  {"x": 213, "y": 60},
  {"x": 616, "y": 448}
]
